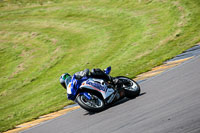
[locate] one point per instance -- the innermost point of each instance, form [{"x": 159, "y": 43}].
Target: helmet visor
[{"x": 68, "y": 79}]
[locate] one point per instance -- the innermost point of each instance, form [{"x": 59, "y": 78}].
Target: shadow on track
[{"x": 115, "y": 104}]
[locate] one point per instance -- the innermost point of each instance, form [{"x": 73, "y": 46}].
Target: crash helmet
[{"x": 65, "y": 79}]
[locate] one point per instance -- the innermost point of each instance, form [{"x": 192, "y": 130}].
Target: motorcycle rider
[{"x": 94, "y": 73}]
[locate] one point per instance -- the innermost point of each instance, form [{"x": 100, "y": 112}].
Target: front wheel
[
  {"x": 96, "y": 104},
  {"x": 131, "y": 88}
]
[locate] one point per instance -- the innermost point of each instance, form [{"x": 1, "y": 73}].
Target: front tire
[
  {"x": 94, "y": 105},
  {"x": 131, "y": 87}
]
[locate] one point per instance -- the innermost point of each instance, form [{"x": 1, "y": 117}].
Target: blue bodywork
[{"x": 75, "y": 84}]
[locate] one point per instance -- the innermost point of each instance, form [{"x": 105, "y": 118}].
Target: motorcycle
[{"x": 95, "y": 95}]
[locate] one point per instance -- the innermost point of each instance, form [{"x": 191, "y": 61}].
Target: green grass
[{"x": 41, "y": 39}]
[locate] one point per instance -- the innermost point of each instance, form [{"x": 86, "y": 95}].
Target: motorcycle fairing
[
  {"x": 98, "y": 85},
  {"x": 73, "y": 87},
  {"x": 84, "y": 82}
]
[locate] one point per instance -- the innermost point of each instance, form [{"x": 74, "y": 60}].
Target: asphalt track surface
[{"x": 169, "y": 103}]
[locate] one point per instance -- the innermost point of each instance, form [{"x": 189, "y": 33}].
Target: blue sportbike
[{"x": 94, "y": 93}]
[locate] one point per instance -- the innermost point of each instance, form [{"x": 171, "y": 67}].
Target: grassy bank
[{"x": 41, "y": 39}]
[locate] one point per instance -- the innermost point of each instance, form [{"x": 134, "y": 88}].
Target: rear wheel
[
  {"x": 96, "y": 104},
  {"x": 131, "y": 88}
]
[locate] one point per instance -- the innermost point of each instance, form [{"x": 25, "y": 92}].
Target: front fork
[{"x": 86, "y": 95}]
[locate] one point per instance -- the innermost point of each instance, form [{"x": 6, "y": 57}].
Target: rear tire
[
  {"x": 132, "y": 90},
  {"x": 96, "y": 106}
]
